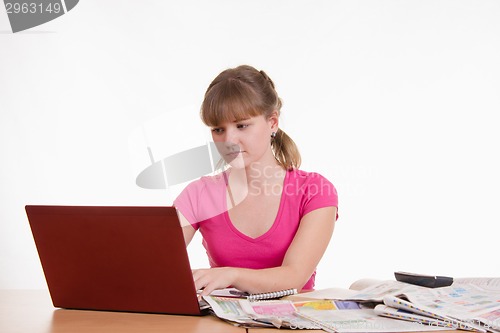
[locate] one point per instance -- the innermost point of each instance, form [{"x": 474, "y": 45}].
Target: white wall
[{"x": 394, "y": 101}]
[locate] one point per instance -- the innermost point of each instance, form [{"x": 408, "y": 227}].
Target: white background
[{"x": 396, "y": 102}]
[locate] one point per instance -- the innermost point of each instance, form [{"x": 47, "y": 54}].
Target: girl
[{"x": 265, "y": 223}]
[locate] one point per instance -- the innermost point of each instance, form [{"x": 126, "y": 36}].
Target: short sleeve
[
  {"x": 319, "y": 192},
  {"x": 187, "y": 200},
  {"x": 202, "y": 199}
]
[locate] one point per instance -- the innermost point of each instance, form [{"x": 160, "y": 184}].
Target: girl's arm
[
  {"x": 187, "y": 229},
  {"x": 301, "y": 259}
]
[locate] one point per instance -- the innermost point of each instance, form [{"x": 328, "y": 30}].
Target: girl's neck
[
  {"x": 258, "y": 175},
  {"x": 258, "y": 172}
]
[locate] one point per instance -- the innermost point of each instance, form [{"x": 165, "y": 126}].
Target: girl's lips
[{"x": 236, "y": 153}]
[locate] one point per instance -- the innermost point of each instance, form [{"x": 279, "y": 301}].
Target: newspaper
[
  {"x": 463, "y": 305},
  {"x": 364, "y": 290},
  {"x": 468, "y": 304},
  {"x": 377, "y": 291},
  {"x": 361, "y": 320},
  {"x": 328, "y": 315},
  {"x": 270, "y": 313},
  {"x": 403, "y": 314}
]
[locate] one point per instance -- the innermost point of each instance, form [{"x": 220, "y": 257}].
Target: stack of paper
[
  {"x": 381, "y": 306},
  {"x": 329, "y": 315},
  {"x": 468, "y": 304},
  {"x": 465, "y": 306}
]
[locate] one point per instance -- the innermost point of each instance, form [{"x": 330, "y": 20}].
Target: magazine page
[
  {"x": 398, "y": 302},
  {"x": 396, "y": 313},
  {"x": 286, "y": 314},
  {"x": 487, "y": 283},
  {"x": 340, "y": 293},
  {"x": 468, "y": 303},
  {"x": 365, "y": 283},
  {"x": 265, "y": 313},
  {"x": 279, "y": 313},
  {"x": 361, "y": 320},
  {"x": 324, "y": 294},
  {"x": 229, "y": 309},
  {"x": 376, "y": 292}
]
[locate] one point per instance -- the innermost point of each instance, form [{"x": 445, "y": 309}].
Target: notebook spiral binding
[{"x": 271, "y": 295}]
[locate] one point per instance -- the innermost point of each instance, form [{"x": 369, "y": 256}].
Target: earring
[{"x": 273, "y": 135}]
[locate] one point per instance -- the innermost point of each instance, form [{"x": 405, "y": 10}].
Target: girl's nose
[{"x": 231, "y": 137}]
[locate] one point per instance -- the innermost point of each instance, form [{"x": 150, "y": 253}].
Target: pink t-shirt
[{"x": 203, "y": 204}]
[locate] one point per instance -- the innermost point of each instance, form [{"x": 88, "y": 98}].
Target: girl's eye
[
  {"x": 242, "y": 126},
  {"x": 217, "y": 130}
]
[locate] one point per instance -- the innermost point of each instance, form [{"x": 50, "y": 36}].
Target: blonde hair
[{"x": 243, "y": 92}]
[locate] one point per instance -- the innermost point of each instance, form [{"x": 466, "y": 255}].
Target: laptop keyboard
[{"x": 203, "y": 304}]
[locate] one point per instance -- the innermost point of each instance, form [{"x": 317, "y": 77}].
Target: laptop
[{"x": 110, "y": 258}]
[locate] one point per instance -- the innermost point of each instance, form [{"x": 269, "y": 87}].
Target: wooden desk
[
  {"x": 31, "y": 311},
  {"x": 275, "y": 330}
]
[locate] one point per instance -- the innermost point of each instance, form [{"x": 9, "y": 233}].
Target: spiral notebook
[
  {"x": 271, "y": 295},
  {"x": 233, "y": 292}
]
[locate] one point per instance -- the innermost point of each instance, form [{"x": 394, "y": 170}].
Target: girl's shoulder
[
  {"x": 206, "y": 184},
  {"x": 310, "y": 190},
  {"x": 309, "y": 184},
  {"x": 302, "y": 176}
]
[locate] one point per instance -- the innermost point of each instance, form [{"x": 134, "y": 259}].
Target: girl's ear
[{"x": 273, "y": 121}]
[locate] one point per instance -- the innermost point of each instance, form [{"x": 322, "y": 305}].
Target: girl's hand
[{"x": 214, "y": 278}]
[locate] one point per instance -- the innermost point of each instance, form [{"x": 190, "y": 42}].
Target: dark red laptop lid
[{"x": 114, "y": 258}]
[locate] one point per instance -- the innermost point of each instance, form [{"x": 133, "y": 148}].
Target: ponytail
[{"x": 285, "y": 151}]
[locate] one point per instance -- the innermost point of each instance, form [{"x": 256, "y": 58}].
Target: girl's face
[{"x": 246, "y": 141}]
